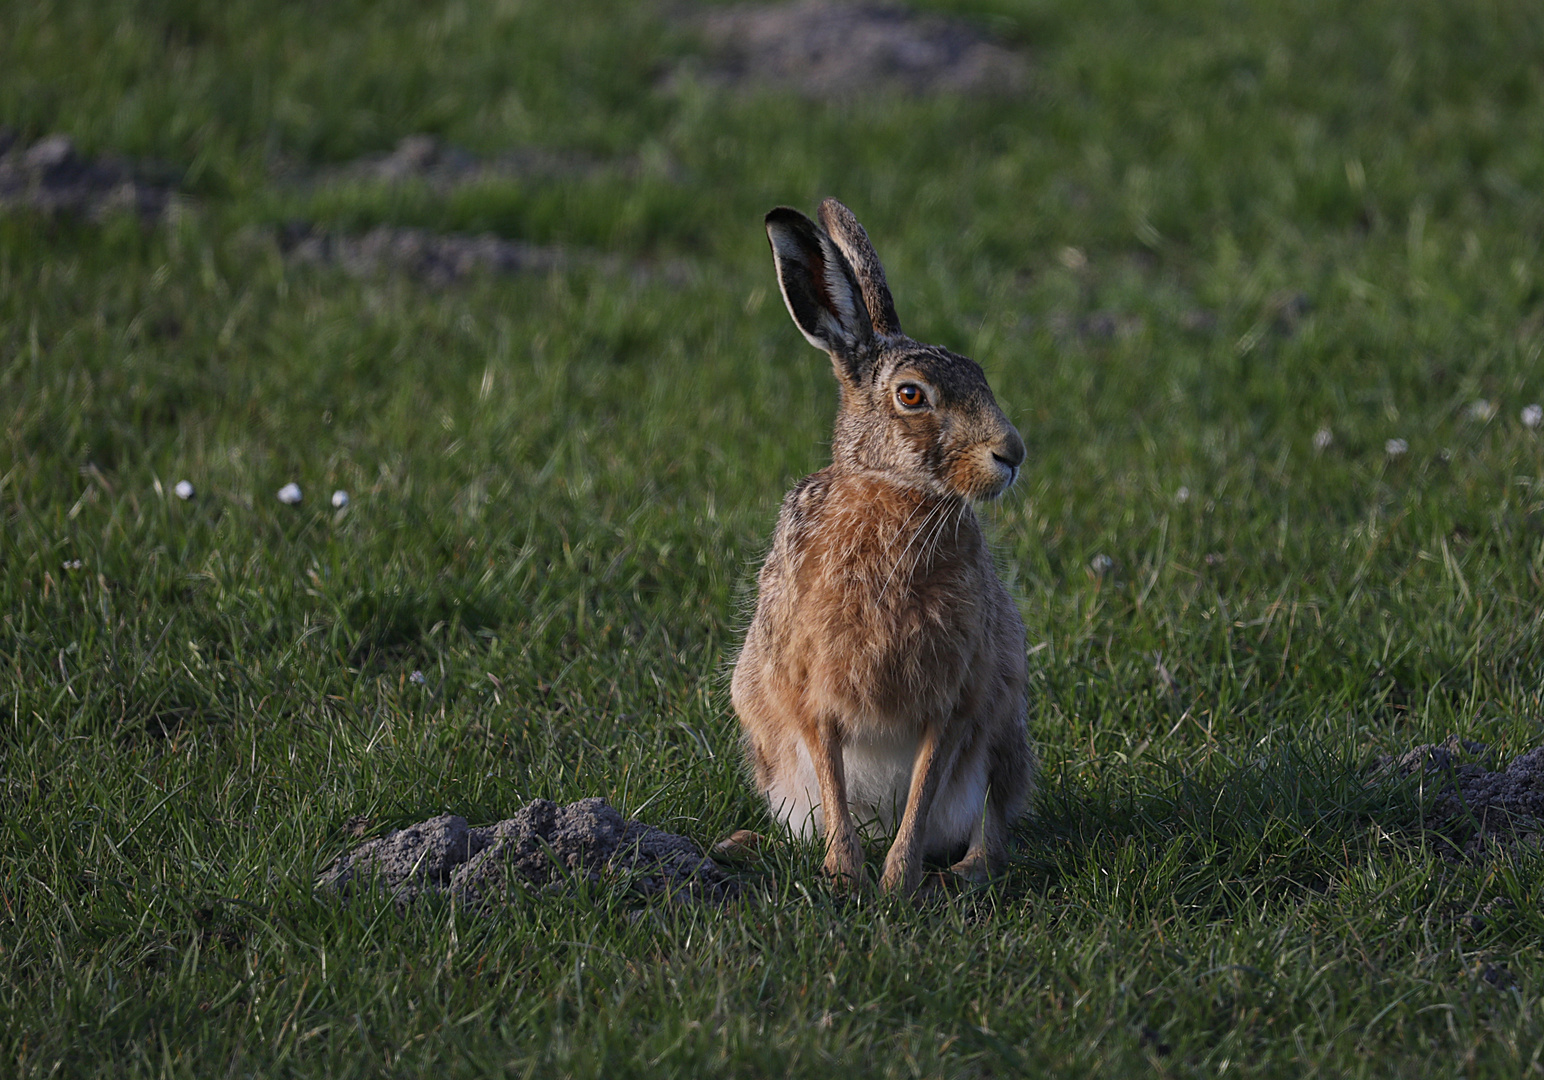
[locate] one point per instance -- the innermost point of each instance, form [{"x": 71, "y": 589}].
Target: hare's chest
[
  {"x": 872, "y": 610},
  {"x": 882, "y": 662}
]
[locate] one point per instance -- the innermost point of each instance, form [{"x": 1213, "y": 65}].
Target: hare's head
[{"x": 918, "y": 411}]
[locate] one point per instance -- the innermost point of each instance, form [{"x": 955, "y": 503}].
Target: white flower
[
  {"x": 289, "y": 494},
  {"x": 1322, "y": 438},
  {"x": 1482, "y": 410},
  {"x": 417, "y": 678},
  {"x": 1533, "y": 415},
  {"x": 340, "y": 498},
  {"x": 1395, "y": 447},
  {"x": 1182, "y": 495},
  {"x": 1101, "y": 564},
  {"x": 183, "y": 490}
]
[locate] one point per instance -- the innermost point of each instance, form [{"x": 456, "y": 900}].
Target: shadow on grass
[
  {"x": 1291, "y": 820},
  {"x": 383, "y": 630}
]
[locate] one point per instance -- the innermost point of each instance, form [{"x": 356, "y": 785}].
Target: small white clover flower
[
  {"x": 1395, "y": 447},
  {"x": 72, "y": 564},
  {"x": 1101, "y": 564},
  {"x": 340, "y": 498},
  {"x": 289, "y": 494},
  {"x": 1482, "y": 410},
  {"x": 1533, "y": 415},
  {"x": 417, "y": 678},
  {"x": 1322, "y": 439},
  {"x": 1182, "y": 495},
  {"x": 183, "y": 490}
]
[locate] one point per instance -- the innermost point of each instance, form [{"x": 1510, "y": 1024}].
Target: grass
[{"x": 1296, "y": 217}]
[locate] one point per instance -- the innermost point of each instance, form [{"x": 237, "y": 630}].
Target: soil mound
[
  {"x": 836, "y": 50},
  {"x": 1478, "y": 811},
  {"x": 544, "y": 846},
  {"x": 51, "y": 177}
]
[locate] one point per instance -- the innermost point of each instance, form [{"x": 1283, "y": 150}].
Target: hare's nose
[{"x": 1011, "y": 452}]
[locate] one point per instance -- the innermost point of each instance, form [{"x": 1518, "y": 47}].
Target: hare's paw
[
  {"x": 844, "y": 862},
  {"x": 742, "y": 845},
  {"x": 901, "y": 875},
  {"x": 975, "y": 868}
]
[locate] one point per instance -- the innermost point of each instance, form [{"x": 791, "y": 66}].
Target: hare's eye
[{"x": 911, "y": 396}]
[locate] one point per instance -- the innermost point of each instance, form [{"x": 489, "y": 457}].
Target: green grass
[{"x": 561, "y": 485}]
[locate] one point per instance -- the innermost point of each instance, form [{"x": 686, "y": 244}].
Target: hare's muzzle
[{"x": 1007, "y": 456}]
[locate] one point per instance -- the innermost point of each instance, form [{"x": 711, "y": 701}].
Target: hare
[{"x": 883, "y": 676}]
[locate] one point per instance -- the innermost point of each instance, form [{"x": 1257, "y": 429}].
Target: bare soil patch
[
  {"x": 839, "y": 50},
  {"x": 439, "y": 258},
  {"x": 1477, "y": 810},
  {"x": 447, "y": 258},
  {"x": 51, "y": 177},
  {"x": 443, "y": 167},
  {"x": 545, "y": 847}
]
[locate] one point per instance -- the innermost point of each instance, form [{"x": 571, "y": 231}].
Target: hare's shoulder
[{"x": 806, "y": 501}]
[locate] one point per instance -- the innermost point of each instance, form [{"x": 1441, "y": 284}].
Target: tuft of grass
[{"x": 1205, "y": 234}]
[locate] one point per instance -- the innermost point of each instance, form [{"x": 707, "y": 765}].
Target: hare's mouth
[
  {"x": 982, "y": 472},
  {"x": 997, "y": 478},
  {"x": 1008, "y": 465},
  {"x": 985, "y": 480}
]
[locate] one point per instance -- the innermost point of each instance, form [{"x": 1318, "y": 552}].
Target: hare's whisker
[
  {"x": 938, "y": 535},
  {"x": 920, "y": 504},
  {"x": 934, "y": 510}
]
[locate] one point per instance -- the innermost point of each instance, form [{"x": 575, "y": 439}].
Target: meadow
[{"x": 1261, "y": 285}]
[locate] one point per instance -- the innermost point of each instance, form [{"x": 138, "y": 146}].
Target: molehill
[
  {"x": 1477, "y": 811},
  {"x": 543, "y": 847}
]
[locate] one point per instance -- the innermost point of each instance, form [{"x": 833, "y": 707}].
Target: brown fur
[{"x": 884, "y": 669}]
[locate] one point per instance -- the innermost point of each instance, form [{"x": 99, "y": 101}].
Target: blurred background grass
[{"x": 1202, "y": 234}]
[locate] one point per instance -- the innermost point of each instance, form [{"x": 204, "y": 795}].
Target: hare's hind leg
[
  {"x": 1009, "y": 788},
  {"x": 844, "y": 851},
  {"x": 988, "y": 852}
]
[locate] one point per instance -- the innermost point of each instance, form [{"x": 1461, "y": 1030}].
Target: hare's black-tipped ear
[
  {"x": 820, "y": 290},
  {"x": 843, "y": 227}
]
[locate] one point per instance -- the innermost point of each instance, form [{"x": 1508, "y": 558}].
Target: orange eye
[{"x": 911, "y": 396}]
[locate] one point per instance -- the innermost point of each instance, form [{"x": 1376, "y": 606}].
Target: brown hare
[{"x": 883, "y": 675}]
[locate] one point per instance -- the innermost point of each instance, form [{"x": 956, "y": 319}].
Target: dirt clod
[
  {"x": 544, "y": 846},
  {"x": 52, "y": 177},
  {"x": 1150, "y": 1038},
  {"x": 1498, "y": 975},
  {"x": 1477, "y": 811},
  {"x": 835, "y": 50}
]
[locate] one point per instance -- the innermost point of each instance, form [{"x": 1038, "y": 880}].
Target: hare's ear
[
  {"x": 821, "y": 291},
  {"x": 843, "y": 227}
]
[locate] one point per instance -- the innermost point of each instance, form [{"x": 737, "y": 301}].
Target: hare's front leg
[
  {"x": 844, "y": 851},
  {"x": 933, "y": 760}
]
